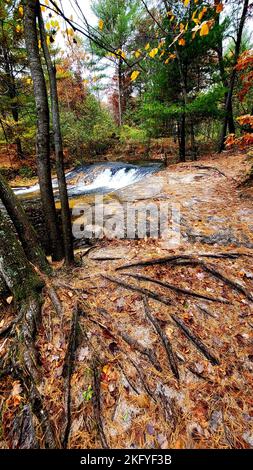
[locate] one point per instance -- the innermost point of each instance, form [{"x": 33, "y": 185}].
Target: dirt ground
[{"x": 165, "y": 364}]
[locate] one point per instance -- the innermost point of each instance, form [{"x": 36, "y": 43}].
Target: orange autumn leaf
[
  {"x": 219, "y": 8},
  {"x": 204, "y": 30},
  {"x": 181, "y": 42}
]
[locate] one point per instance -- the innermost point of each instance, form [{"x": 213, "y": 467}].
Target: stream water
[
  {"x": 84, "y": 183},
  {"x": 97, "y": 178}
]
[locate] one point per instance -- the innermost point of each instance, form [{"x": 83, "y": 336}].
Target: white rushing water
[{"x": 100, "y": 178}]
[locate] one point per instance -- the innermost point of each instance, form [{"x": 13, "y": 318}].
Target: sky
[{"x": 86, "y": 7}]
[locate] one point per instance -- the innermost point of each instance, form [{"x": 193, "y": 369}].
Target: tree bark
[
  {"x": 120, "y": 94},
  {"x": 25, "y": 230},
  {"x": 193, "y": 142},
  {"x": 12, "y": 93},
  {"x": 228, "y": 106},
  {"x": 182, "y": 138},
  {"x": 219, "y": 50},
  {"x": 42, "y": 140},
  {"x": 65, "y": 211},
  {"x": 15, "y": 268}
]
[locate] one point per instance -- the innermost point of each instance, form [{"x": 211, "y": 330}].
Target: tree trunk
[
  {"x": 15, "y": 268},
  {"x": 228, "y": 107},
  {"x": 193, "y": 143},
  {"x": 65, "y": 211},
  {"x": 182, "y": 138},
  {"x": 42, "y": 140},
  {"x": 231, "y": 124},
  {"x": 12, "y": 93},
  {"x": 25, "y": 230},
  {"x": 120, "y": 90}
]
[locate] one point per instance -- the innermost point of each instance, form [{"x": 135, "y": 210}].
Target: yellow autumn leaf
[
  {"x": 48, "y": 40},
  {"x": 55, "y": 24},
  {"x": 101, "y": 24},
  {"x": 201, "y": 14},
  {"x": 39, "y": 44},
  {"x": 121, "y": 53},
  {"x": 137, "y": 54},
  {"x": 167, "y": 61},
  {"x": 135, "y": 74},
  {"x": 28, "y": 81},
  {"x": 204, "y": 30},
  {"x": 106, "y": 369},
  {"x": 181, "y": 42},
  {"x": 153, "y": 52},
  {"x": 43, "y": 9},
  {"x": 219, "y": 8},
  {"x": 147, "y": 46},
  {"x": 181, "y": 27},
  {"x": 186, "y": 3},
  {"x": 70, "y": 32},
  {"x": 20, "y": 11},
  {"x": 18, "y": 28}
]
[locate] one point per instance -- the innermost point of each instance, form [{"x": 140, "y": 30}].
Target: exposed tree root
[
  {"x": 23, "y": 434},
  {"x": 207, "y": 167},
  {"x": 151, "y": 262},
  {"x": 142, "y": 379},
  {"x": 188, "y": 257},
  {"x": 206, "y": 311},
  {"x": 67, "y": 373},
  {"x": 141, "y": 349},
  {"x": 198, "y": 374},
  {"x": 170, "y": 414},
  {"x": 55, "y": 301},
  {"x": 195, "y": 340},
  {"x": 180, "y": 290},
  {"x": 145, "y": 292},
  {"x": 170, "y": 354},
  {"x": 209, "y": 268},
  {"x": 96, "y": 367},
  {"x": 38, "y": 409},
  {"x": 149, "y": 353},
  {"x": 8, "y": 329},
  {"x": 128, "y": 380}
]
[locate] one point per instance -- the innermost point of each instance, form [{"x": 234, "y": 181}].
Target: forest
[{"x": 126, "y": 224}]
